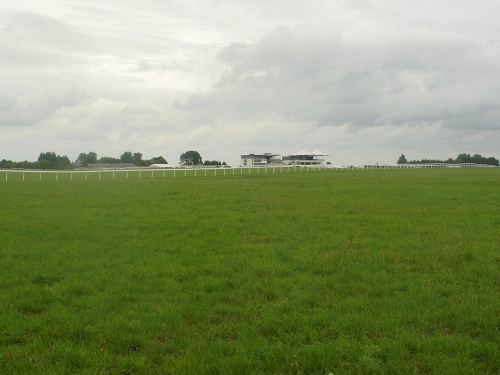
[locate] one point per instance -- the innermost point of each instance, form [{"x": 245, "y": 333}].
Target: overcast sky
[{"x": 361, "y": 80}]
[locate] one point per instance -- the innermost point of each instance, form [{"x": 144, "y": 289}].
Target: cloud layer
[{"x": 363, "y": 81}]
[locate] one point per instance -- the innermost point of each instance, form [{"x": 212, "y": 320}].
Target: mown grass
[{"x": 354, "y": 272}]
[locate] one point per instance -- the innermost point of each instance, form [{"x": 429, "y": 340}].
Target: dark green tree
[
  {"x": 109, "y": 160},
  {"x": 137, "y": 157},
  {"x": 50, "y": 160},
  {"x": 159, "y": 160},
  {"x": 127, "y": 157},
  {"x": 463, "y": 158},
  {"x": 212, "y": 162},
  {"x": 191, "y": 158},
  {"x": 86, "y": 159},
  {"x": 51, "y": 157},
  {"x": 402, "y": 159}
]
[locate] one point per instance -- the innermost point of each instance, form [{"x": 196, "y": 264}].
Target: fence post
[{"x": 140, "y": 174}]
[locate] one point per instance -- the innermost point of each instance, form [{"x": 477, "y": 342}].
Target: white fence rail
[
  {"x": 112, "y": 174},
  {"x": 115, "y": 174}
]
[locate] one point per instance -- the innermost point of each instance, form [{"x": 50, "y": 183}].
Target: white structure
[
  {"x": 258, "y": 160},
  {"x": 160, "y": 166},
  {"x": 305, "y": 158}
]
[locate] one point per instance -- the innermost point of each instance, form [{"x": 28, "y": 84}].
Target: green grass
[{"x": 354, "y": 272}]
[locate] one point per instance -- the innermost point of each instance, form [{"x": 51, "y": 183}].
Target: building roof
[
  {"x": 309, "y": 153},
  {"x": 264, "y": 155},
  {"x": 112, "y": 165}
]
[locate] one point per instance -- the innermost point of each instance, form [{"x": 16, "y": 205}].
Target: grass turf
[{"x": 385, "y": 271}]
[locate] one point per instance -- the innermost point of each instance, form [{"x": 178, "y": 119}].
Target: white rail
[{"x": 112, "y": 174}]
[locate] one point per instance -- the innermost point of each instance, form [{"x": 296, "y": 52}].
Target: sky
[{"x": 363, "y": 81}]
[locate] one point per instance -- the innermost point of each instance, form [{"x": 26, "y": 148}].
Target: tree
[
  {"x": 108, "y": 160},
  {"x": 127, "y": 157},
  {"x": 191, "y": 158},
  {"x": 402, "y": 159},
  {"x": 50, "y": 160},
  {"x": 137, "y": 157},
  {"x": 51, "y": 157},
  {"x": 86, "y": 159},
  {"x": 463, "y": 158},
  {"x": 159, "y": 160},
  {"x": 212, "y": 162},
  {"x": 492, "y": 161}
]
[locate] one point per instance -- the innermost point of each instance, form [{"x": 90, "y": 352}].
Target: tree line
[
  {"x": 51, "y": 160},
  {"x": 461, "y": 158}
]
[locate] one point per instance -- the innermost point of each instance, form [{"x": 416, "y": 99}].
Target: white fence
[
  {"x": 121, "y": 174},
  {"x": 115, "y": 174}
]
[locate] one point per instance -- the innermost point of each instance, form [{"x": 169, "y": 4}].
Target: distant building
[
  {"x": 258, "y": 160},
  {"x": 304, "y": 158},
  {"x": 160, "y": 165},
  {"x": 111, "y": 165}
]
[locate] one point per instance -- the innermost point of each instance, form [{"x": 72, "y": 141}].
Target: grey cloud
[
  {"x": 318, "y": 75},
  {"x": 6, "y": 102},
  {"x": 30, "y": 109},
  {"x": 39, "y": 31},
  {"x": 235, "y": 52},
  {"x": 368, "y": 76}
]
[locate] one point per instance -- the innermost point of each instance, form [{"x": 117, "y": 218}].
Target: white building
[
  {"x": 304, "y": 158},
  {"x": 258, "y": 160}
]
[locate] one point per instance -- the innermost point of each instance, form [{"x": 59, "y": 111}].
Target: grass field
[{"x": 352, "y": 272}]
